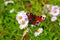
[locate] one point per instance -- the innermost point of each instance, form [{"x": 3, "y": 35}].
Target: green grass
[{"x": 9, "y": 27}]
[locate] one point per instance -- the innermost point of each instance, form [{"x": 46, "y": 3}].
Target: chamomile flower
[
  {"x": 23, "y": 24},
  {"x": 21, "y": 15},
  {"x": 54, "y": 11},
  {"x": 22, "y": 19},
  {"x": 38, "y": 32},
  {"x": 53, "y": 19},
  {"x": 7, "y": 2}
]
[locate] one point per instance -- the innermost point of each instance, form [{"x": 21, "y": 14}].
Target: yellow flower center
[
  {"x": 20, "y": 17},
  {"x": 38, "y": 30},
  {"x": 23, "y": 22},
  {"x": 55, "y": 11}
]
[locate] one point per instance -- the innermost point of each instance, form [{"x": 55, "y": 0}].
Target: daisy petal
[
  {"x": 38, "y": 32},
  {"x": 54, "y": 11},
  {"x": 53, "y": 19}
]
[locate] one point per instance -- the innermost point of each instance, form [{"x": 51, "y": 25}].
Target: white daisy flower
[
  {"x": 21, "y": 15},
  {"x": 38, "y": 32},
  {"x": 23, "y": 24},
  {"x": 22, "y": 19},
  {"x": 53, "y": 19},
  {"x": 54, "y": 11},
  {"x": 12, "y": 10},
  {"x": 25, "y": 31},
  {"x": 7, "y": 2}
]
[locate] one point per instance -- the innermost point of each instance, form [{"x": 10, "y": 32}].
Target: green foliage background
[{"x": 9, "y": 27}]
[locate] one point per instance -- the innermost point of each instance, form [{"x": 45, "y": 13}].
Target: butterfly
[{"x": 33, "y": 19}]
